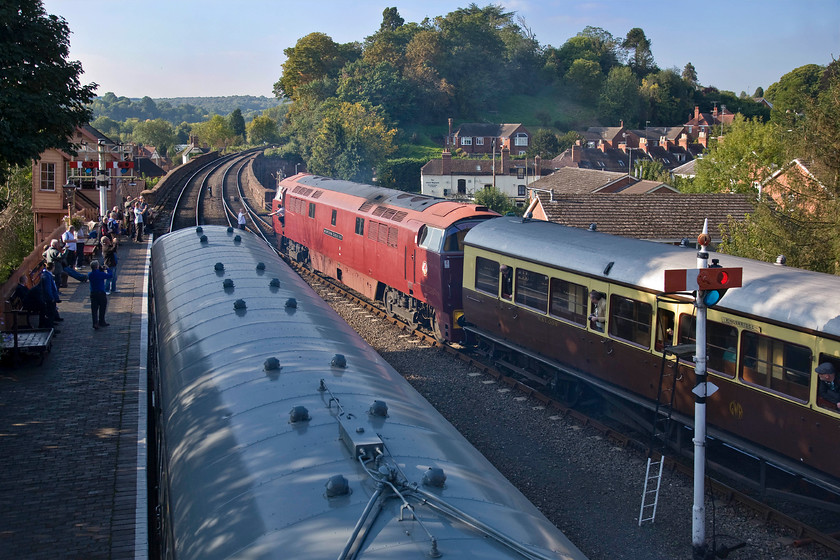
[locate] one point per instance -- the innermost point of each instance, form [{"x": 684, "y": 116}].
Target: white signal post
[{"x": 102, "y": 181}]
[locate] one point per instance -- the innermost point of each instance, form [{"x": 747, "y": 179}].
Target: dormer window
[{"x": 521, "y": 139}]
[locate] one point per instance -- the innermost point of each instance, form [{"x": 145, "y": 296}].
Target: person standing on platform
[
  {"x": 109, "y": 256},
  {"x": 240, "y": 219},
  {"x": 98, "y": 299},
  {"x": 138, "y": 222},
  {"x": 50, "y": 297}
]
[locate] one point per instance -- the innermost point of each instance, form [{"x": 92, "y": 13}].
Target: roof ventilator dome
[
  {"x": 434, "y": 477},
  {"x": 260, "y": 266},
  {"x": 292, "y": 303},
  {"x": 203, "y": 239},
  {"x": 199, "y": 229},
  {"x": 230, "y": 229},
  {"x": 337, "y": 486},
  {"x": 781, "y": 260},
  {"x": 378, "y": 408},
  {"x": 275, "y": 283},
  {"x": 271, "y": 364},
  {"x": 237, "y": 239},
  {"x": 239, "y": 304},
  {"x": 218, "y": 266},
  {"x": 299, "y": 414},
  {"x": 593, "y": 227},
  {"x": 338, "y": 361},
  {"x": 227, "y": 284}
]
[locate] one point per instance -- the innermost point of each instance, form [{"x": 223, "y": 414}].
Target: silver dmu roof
[{"x": 786, "y": 295}]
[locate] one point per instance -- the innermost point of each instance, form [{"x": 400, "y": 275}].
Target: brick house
[
  {"x": 63, "y": 183},
  {"x": 572, "y": 180},
  {"x": 480, "y": 138},
  {"x": 703, "y": 122}
]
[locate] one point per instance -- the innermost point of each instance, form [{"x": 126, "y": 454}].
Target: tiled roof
[
  {"x": 571, "y": 180},
  {"x": 486, "y": 129},
  {"x": 644, "y": 187},
  {"x": 685, "y": 169},
  {"x": 458, "y": 166},
  {"x": 667, "y": 218}
]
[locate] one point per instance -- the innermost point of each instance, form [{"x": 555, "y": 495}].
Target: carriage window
[
  {"x": 630, "y": 320},
  {"x": 311, "y": 209},
  {"x": 775, "y": 364},
  {"x": 824, "y": 400},
  {"x": 664, "y": 329},
  {"x": 721, "y": 343},
  {"x": 332, "y": 218},
  {"x": 507, "y": 281},
  {"x": 568, "y": 301},
  {"x": 487, "y": 276},
  {"x": 531, "y": 289},
  {"x": 360, "y": 226}
]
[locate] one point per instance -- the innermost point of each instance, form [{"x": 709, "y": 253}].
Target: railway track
[{"x": 724, "y": 493}]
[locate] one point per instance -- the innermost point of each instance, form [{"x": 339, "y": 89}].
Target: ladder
[{"x": 661, "y": 429}]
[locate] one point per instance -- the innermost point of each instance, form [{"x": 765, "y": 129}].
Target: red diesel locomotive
[{"x": 405, "y": 250}]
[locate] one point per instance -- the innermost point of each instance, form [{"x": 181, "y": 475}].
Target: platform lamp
[{"x": 70, "y": 197}]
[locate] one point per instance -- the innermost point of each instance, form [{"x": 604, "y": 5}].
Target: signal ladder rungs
[{"x": 650, "y": 498}]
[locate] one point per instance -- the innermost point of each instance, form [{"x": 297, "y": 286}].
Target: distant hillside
[
  {"x": 224, "y": 105},
  {"x": 179, "y": 109}
]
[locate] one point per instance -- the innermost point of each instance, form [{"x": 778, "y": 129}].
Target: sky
[{"x": 187, "y": 48}]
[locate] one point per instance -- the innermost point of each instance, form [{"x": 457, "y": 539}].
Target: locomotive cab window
[
  {"x": 776, "y": 364},
  {"x": 453, "y": 241},
  {"x": 333, "y": 217},
  {"x": 487, "y": 276},
  {"x": 568, "y": 301},
  {"x": 630, "y": 320},
  {"x": 430, "y": 239},
  {"x": 360, "y": 226},
  {"x": 721, "y": 344},
  {"x": 531, "y": 289}
]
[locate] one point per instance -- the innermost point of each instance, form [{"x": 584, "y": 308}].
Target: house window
[
  {"x": 479, "y": 140},
  {"x": 520, "y": 172},
  {"x": 47, "y": 176},
  {"x": 360, "y": 226},
  {"x": 521, "y": 190},
  {"x": 311, "y": 209},
  {"x": 466, "y": 141},
  {"x": 332, "y": 218},
  {"x": 666, "y": 160},
  {"x": 521, "y": 139},
  {"x": 462, "y": 186}
]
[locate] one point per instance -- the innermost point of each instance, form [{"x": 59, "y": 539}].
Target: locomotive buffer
[{"x": 709, "y": 283}]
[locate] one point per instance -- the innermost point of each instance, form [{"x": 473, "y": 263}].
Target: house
[
  {"x": 703, "y": 122},
  {"x": 151, "y": 153},
  {"x": 488, "y": 138},
  {"x": 794, "y": 185},
  {"x": 666, "y": 219},
  {"x": 572, "y": 180},
  {"x": 461, "y": 178},
  {"x": 65, "y": 184},
  {"x": 186, "y": 151}
]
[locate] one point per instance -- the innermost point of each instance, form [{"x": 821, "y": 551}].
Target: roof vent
[
  {"x": 237, "y": 239},
  {"x": 261, "y": 266},
  {"x": 434, "y": 477},
  {"x": 684, "y": 243},
  {"x": 230, "y": 229},
  {"x": 593, "y": 227},
  {"x": 299, "y": 414},
  {"x": 338, "y": 361},
  {"x": 337, "y": 486},
  {"x": 199, "y": 229},
  {"x": 239, "y": 304},
  {"x": 292, "y": 303},
  {"x": 781, "y": 260},
  {"x": 218, "y": 266},
  {"x": 227, "y": 284},
  {"x": 275, "y": 283},
  {"x": 379, "y": 408},
  {"x": 271, "y": 364},
  {"x": 203, "y": 239}
]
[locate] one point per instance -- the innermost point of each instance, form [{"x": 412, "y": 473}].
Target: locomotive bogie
[{"x": 528, "y": 286}]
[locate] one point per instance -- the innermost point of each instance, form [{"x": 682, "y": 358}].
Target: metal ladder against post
[{"x": 661, "y": 429}]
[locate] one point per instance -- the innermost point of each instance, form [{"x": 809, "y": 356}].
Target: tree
[
  {"x": 237, "y": 123},
  {"x": 313, "y": 57},
  {"x": 584, "y": 78},
  {"x": 391, "y": 20},
  {"x": 216, "y": 132},
  {"x": 689, "y": 75},
  {"x": 495, "y": 200},
  {"x": 17, "y": 224},
  {"x": 157, "y": 133},
  {"x": 640, "y": 57},
  {"x": 793, "y": 92},
  {"x": 620, "y": 97},
  {"x": 262, "y": 130},
  {"x": 545, "y": 144},
  {"x": 41, "y": 98},
  {"x": 759, "y": 92}
]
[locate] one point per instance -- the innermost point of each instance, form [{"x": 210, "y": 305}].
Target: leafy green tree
[
  {"x": 793, "y": 92},
  {"x": 391, "y": 20},
  {"x": 759, "y": 92},
  {"x": 640, "y": 57},
  {"x": 350, "y": 141},
  {"x": 216, "y": 132},
  {"x": 17, "y": 229},
  {"x": 107, "y": 126},
  {"x": 593, "y": 43},
  {"x": 689, "y": 75},
  {"x": 495, "y": 200},
  {"x": 402, "y": 174},
  {"x": 381, "y": 85},
  {"x": 262, "y": 130},
  {"x": 620, "y": 98},
  {"x": 157, "y": 133},
  {"x": 424, "y": 55},
  {"x": 650, "y": 170},
  {"x": 584, "y": 78},
  {"x": 313, "y": 57},
  {"x": 666, "y": 97},
  {"x": 545, "y": 144},
  {"x": 41, "y": 98},
  {"x": 237, "y": 122},
  {"x": 182, "y": 133}
]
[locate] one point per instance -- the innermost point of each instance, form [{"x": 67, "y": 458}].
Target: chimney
[
  {"x": 684, "y": 141},
  {"x": 715, "y": 112},
  {"x": 446, "y": 163},
  {"x": 643, "y": 144},
  {"x": 576, "y": 153},
  {"x": 697, "y": 112},
  {"x": 537, "y": 167},
  {"x": 702, "y": 140},
  {"x": 505, "y": 160}
]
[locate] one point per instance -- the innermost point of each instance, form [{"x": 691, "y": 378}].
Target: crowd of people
[{"x": 64, "y": 256}]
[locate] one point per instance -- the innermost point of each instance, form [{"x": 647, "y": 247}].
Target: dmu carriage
[
  {"x": 526, "y": 296},
  {"x": 403, "y": 249},
  {"x": 281, "y": 434}
]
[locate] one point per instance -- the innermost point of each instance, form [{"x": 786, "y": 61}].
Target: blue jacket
[
  {"x": 48, "y": 286},
  {"x": 97, "y": 279}
]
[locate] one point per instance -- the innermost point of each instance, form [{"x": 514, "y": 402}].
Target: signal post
[{"x": 710, "y": 284}]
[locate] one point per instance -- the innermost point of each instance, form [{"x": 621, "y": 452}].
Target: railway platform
[{"x": 73, "y": 433}]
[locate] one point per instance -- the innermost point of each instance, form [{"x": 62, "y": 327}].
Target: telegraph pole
[{"x": 102, "y": 180}]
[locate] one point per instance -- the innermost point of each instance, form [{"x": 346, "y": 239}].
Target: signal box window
[
  {"x": 487, "y": 276},
  {"x": 664, "y": 329},
  {"x": 775, "y": 364},
  {"x": 531, "y": 289},
  {"x": 311, "y": 209},
  {"x": 333, "y": 217},
  {"x": 568, "y": 301},
  {"x": 721, "y": 344},
  {"x": 630, "y": 320},
  {"x": 47, "y": 176},
  {"x": 360, "y": 226}
]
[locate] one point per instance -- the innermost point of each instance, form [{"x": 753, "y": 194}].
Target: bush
[{"x": 401, "y": 174}]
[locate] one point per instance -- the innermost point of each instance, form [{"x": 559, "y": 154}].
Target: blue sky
[{"x": 213, "y": 48}]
